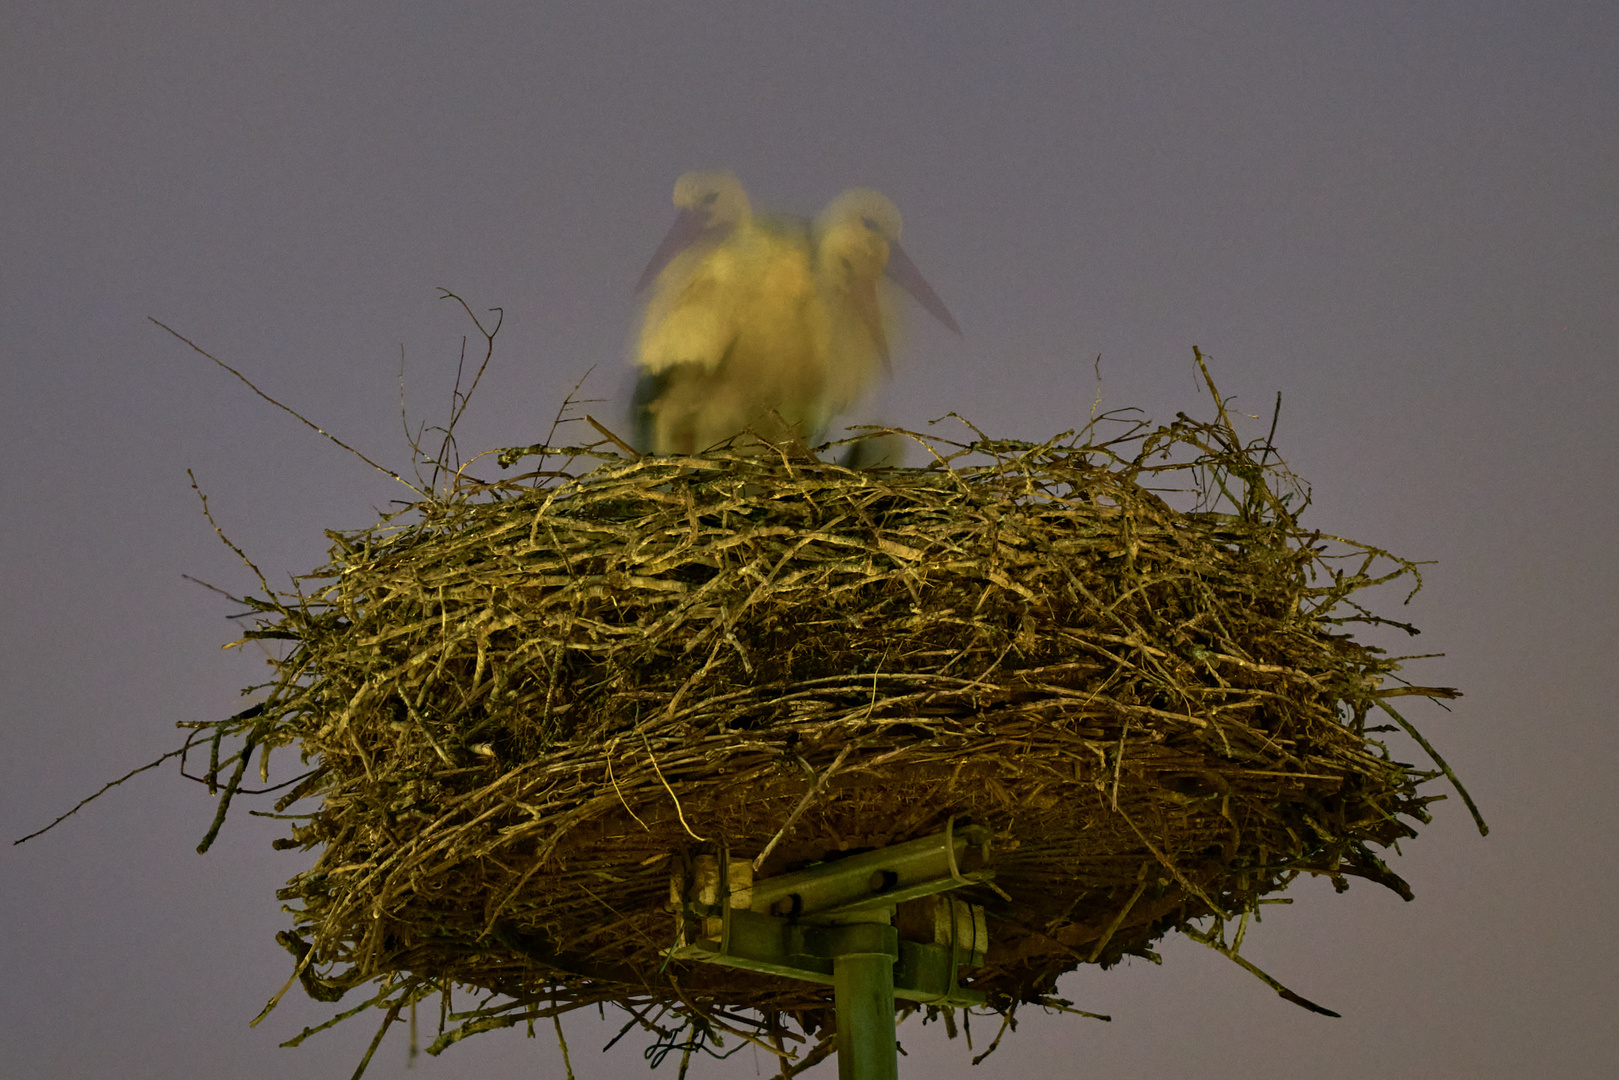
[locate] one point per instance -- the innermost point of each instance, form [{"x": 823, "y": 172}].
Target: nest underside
[{"x": 526, "y": 705}]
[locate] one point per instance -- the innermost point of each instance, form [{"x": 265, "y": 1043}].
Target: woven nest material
[{"x": 524, "y": 704}]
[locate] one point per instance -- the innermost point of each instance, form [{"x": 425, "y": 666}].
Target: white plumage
[{"x": 771, "y": 325}]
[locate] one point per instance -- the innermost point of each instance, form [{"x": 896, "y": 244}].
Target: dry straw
[{"x": 523, "y": 704}]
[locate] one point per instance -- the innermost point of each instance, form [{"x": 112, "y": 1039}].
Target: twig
[
  {"x": 676, "y": 799},
  {"x": 1118, "y": 919},
  {"x": 107, "y": 787},
  {"x": 225, "y": 539},
  {"x": 1007, "y": 1022},
  {"x": 614, "y": 439},
  {"x": 803, "y": 804},
  {"x": 620, "y": 794},
  {"x": 1472, "y": 808},
  {"x": 1214, "y": 943},
  {"x": 556, "y": 1021},
  {"x": 381, "y": 469}
]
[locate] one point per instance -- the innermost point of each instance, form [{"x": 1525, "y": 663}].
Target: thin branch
[
  {"x": 678, "y": 811},
  {"x": 381, "y": 469},
  {"x": 106, "y": 787},
  {"x": 1472, "y": 807},
  {"x": 1212, "y": 940},
  {"x": 803, "y": 804},
  {"x": 614, "y": 439}
]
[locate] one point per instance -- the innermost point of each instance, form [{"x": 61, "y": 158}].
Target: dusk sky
[{"x": 1404, "y": 217}]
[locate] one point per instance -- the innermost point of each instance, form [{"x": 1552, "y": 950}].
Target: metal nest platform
[{"x": 609, "y": 731}]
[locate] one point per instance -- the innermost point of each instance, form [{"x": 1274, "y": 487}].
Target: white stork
[{"x": 772, "y": 324}]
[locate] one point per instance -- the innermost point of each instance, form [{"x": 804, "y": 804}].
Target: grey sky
[{"x": 1403, "y": 217}]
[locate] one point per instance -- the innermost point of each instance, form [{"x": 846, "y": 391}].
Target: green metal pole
[{"x": 863, "y": 985}]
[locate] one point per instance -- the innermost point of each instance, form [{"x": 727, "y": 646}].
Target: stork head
[
  {"x": 855, "y": 235},
  {"x": 859, "y": 242},
  {"x": 710, "y": 205},
  {"x": 717, "y": 198},
  {"x": 859, "y": 226}
]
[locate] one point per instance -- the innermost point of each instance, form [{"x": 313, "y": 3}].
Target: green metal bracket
[
  {"x": 874, "y": 926},
  {"x": 776, "y": 946}
]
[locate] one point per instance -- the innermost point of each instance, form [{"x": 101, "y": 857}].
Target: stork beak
[
  {"x": 688, "y": 228},
  {"x": 909, "y": 278},
  {"x": 864, "y": 297}
]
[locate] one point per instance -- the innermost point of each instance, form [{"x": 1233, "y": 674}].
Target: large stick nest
[{"x": 525, "y": 704}]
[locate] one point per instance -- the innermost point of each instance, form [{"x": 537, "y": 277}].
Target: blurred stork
[
  {"x": 771, "y": 324},
  {"x": 856, "y": 246}
]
